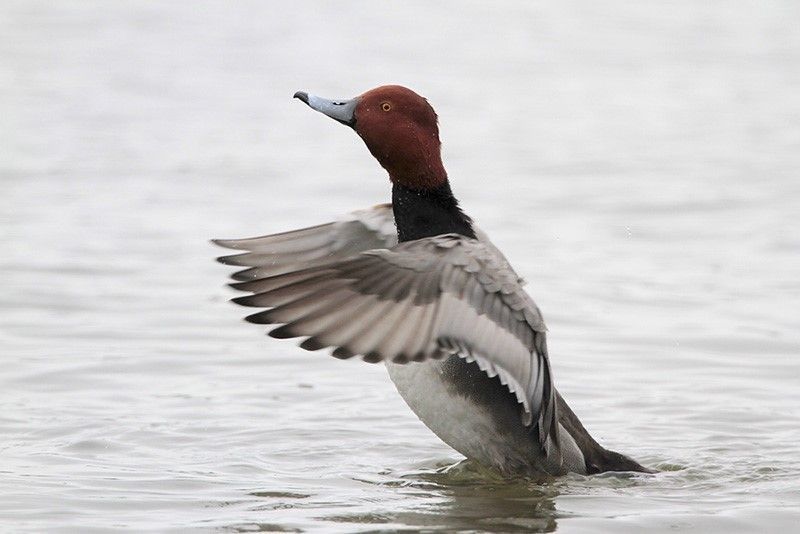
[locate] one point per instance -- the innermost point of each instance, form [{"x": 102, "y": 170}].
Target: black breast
[{"x": 422, "y": 213}]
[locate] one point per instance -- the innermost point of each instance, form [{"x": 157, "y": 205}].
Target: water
[{"x": 637, "y": 163}]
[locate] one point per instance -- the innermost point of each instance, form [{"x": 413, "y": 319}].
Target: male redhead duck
[{"x": 417, "y": 285}]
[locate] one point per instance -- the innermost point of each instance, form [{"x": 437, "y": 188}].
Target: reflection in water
[{"x": 469, "y": 496}]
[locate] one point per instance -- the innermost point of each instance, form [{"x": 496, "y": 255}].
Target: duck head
[{"x": 399, "y": 127}]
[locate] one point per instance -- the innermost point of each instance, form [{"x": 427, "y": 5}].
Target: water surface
[{"x": 638, "y": 165}]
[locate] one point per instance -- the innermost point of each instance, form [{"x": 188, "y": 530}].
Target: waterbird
[{"x": 417, "y": 285}]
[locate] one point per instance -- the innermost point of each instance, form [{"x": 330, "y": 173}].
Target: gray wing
[
  {"x": 289, "y": 251},
  {"x": 429, "y": 298},
  {"x": 355, "y": 232}
]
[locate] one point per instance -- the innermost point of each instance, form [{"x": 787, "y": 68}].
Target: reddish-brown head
[{"x": 399, "y": 128}]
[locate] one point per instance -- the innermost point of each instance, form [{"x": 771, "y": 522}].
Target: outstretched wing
[
  {"x": 289, "y": 251},
  {"x": 358, "y": 231},
  {"x": 428, "y": 298}
]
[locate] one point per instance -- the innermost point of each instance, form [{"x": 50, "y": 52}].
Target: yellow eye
[{"x": 386, "y": 106}]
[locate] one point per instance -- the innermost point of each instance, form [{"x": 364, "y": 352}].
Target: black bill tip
[{"x": 302, "y": 96}]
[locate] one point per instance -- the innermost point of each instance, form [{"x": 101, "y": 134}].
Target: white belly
[
  {"x": 470, "y": 428},
  {"x": 466, "y": 426}
]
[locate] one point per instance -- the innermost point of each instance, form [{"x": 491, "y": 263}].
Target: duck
[{"x": 416, "y": 284}]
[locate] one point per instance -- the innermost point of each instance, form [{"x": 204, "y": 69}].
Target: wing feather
[
  {"x": 349, "y": 286},
  {"x": 287, "y": 251}
]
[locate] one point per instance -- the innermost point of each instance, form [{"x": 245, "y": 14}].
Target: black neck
[{"x": 422, "y": 213}]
